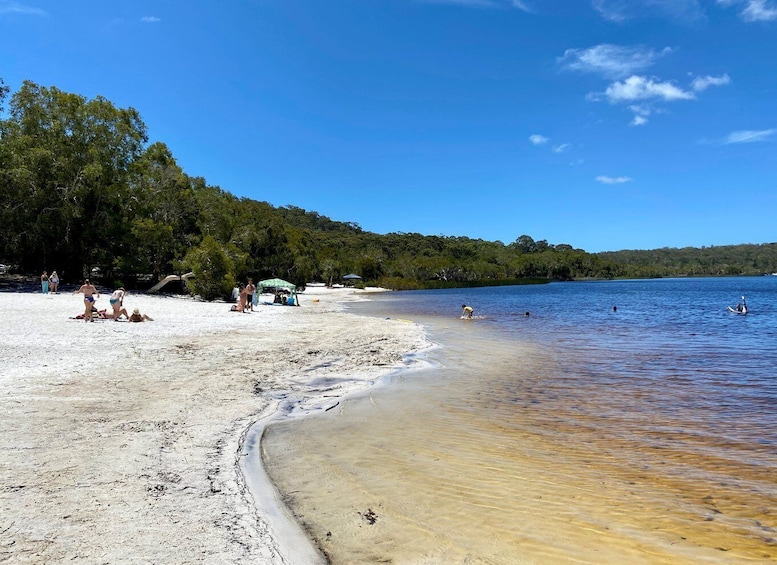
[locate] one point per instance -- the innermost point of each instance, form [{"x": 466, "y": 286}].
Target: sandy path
[{"x": 120, "y": 442}]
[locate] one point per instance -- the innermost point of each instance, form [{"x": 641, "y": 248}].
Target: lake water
[{"x": 581, "y": 433}]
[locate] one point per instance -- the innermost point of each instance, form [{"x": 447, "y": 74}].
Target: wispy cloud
[
  {"x": 17, "y": 8},
  {"x": 639, "y": 120},
  {"x": 560, "y": 148},
  {"x": 643, "y": 88},
  {"x": 749, "y": 136},
  {"x": 522, "y": 6},
  {"x": 622, "y": 10},
  {"x": 537, "y": 139},
  {"x": 754, "y": 10},
  {"x": 613, "y": 180},
  {"x": 471, "y": 3},
  {"x": 702, "y": 83},
  {"x": 612, "y": 61},
  {"x": 150, "y": 19}
]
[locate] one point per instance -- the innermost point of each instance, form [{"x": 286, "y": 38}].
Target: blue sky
[{"x": 603, "y": 124}]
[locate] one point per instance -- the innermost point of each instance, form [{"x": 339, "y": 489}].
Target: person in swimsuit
[
  {"x": 90, "y": 292},
  {"x": 54, "y": 282},
  {"x": 116, "y": 300},
  {"x": 138, "y": 317},
  {"x": 250, "y": 290}
]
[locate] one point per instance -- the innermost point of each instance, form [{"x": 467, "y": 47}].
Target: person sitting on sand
[
  {"x": 138, "y": 317},
  {"x": 89, "y": 291},
  {"x": 466, "y": 311}
]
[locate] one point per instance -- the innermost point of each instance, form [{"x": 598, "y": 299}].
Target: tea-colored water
[{"x": 494, "y": 459}]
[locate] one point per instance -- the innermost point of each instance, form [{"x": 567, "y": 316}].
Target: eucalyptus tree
[
  {"x": 64, "y": 163},
  {"x": 161, "y": 211}
]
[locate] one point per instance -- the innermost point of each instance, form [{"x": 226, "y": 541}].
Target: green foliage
[
  {"x": 212, "y": 268},
  {"x": 79, "y": 190}
]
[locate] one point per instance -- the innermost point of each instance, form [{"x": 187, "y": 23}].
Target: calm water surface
[{"x": 576, "y": 434}]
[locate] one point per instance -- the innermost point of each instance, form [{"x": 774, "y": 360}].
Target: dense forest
[{"x": 83, "y": 192}]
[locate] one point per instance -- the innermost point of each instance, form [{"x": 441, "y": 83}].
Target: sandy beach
[{"x": 123, "y": 442}]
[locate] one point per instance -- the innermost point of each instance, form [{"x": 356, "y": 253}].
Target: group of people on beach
[
  {"x": 116, "y": 301},
  {"x": 244, "y": 294},
  {"x": 49, "y": 283}
]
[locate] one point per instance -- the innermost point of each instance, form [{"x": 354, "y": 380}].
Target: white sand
[{"x": 122, "y": 442}]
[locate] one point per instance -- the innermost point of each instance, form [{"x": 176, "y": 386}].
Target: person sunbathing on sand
[
  {"x": 99, "y": 314},
  {"x": 138, "y": 317}
]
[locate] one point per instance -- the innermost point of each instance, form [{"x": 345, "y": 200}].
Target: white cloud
[
  {"x": 702, "y": 83},
  {"x": 476, "y": 3},
  {"x": 150, "y": 19},
  {"x": 537, "y": 139},
  {"x": 17, "y": 8},
  {"x": 621, "y": 10},
  {"x": 639, "y": 120},
  {"x": 758, "y": 11},
  {"x": 613, "y": 180},
  {"x": 560, "y": 148},
  {"x": 642, "y": 88},
  {"x": 613, "y": 61},
  {"x": 754, "y": 10},
  {"x": 749, "y": 136},
  {"x": 522, "y": 6}
]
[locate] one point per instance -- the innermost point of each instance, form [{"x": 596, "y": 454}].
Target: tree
[
  {"x": 64, "y": 166},
  {"x": 524, "y": 244},
  {"x": 212, "y": 268}
]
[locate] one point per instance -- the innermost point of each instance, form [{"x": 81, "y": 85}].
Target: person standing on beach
[
  {"x": 89, "y": 291},
  {"x": 44, "y": 283},
  {"x": 54, "y": 282},
  {"x": 250, "y": 290}
]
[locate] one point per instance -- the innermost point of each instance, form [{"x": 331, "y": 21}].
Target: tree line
[{"x": 82, "y": 191}]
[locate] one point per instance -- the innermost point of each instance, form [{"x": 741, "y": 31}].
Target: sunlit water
[{"x": 578, "y": 434}]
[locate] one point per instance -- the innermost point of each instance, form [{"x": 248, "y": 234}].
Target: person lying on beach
[
  {"x": 98, "y": 314},
  {"x": 89, "y": 291},
  {"x": 138, "y": 317}
]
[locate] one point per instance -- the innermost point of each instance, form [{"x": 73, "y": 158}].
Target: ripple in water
[{"x": 556, "y": 440}]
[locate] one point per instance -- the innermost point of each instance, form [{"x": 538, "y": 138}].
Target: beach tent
[
  {"x": 352, "y": 278},
  {"x": 279, "y": 284}
]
